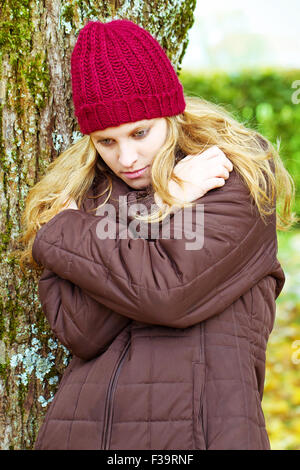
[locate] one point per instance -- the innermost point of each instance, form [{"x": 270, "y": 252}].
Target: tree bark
[{"x": 37, "y": 123}]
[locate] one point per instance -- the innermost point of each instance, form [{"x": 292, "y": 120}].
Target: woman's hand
[{"x": 201, "y": 172}]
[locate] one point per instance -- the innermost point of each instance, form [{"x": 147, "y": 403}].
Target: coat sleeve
[
  {"x": 164, "y": 281},
  {"x": 82, "y": 324}
]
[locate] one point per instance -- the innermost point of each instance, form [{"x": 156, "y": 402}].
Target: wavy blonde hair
[{"x": 200, "y": 126}]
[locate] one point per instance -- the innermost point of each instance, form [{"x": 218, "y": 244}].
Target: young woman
[{"x": 168, "y": 336}]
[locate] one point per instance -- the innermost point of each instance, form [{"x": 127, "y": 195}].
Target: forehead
[{"x": 123, "y": 128}]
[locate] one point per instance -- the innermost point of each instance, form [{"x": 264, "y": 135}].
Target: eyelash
[{"x": 141, "y": 136}]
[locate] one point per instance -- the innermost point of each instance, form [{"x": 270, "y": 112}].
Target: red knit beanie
[{"x": 121, "y": 74}]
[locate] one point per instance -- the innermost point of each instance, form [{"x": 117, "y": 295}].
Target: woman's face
[{"x": 131, "y": 147}]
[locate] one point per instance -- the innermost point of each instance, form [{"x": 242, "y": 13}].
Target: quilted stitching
[{"x": 153, "y": 401}]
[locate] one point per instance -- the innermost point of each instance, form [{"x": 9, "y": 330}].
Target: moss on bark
[{"x": 37, "y": 122}]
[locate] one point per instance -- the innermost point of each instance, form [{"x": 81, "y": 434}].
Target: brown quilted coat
[{"x": 168, "y": 344}]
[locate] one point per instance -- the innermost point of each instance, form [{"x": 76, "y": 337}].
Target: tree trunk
[{"x": 37, "y": 123}]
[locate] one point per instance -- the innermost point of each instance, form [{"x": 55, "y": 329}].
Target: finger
[
  {"x": 215, "y": 171},
  {"x": 228, "y": 164},
  {"x": 223, "y": 172},
  {"x": 215, "y": 183},
  {"x": 213, "y": 152},
  {"x": 210, "y": 152},
  {"x": 220, "y": 156},
  {"x": 214, "y": 149}
]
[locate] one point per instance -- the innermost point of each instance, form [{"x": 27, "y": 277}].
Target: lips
[{"x": 135, "y": 174}]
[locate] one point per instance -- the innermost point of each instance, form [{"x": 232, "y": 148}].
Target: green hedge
[{"x": 262, "y": 100}]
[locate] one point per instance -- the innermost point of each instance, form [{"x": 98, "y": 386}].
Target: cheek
[
  {"x": 159, "y": 139},
  {"x": 104, "y": 159}
]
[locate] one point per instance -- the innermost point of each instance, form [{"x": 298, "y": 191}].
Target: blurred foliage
[
  {"x": 264, "y": 100},
  {"x": 281, "y": 402}
]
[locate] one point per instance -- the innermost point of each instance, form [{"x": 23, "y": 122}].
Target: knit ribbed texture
[{"x": 121, "y": 74}]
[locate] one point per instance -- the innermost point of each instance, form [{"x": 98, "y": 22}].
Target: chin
[{"x": 139, "y": 183}]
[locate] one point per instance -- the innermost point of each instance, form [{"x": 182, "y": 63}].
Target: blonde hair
[{"x": 202, "y": 125}]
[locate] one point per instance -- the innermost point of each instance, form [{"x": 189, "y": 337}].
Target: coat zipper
[
  {"x": 202, "y": 353},
  {"x": 108, "y": 413}
]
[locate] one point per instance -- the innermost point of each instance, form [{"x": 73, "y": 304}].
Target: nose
[{"x": 127, "y": 157}]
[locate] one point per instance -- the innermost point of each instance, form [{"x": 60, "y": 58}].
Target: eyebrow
[{"x": 97, "y": 136}]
